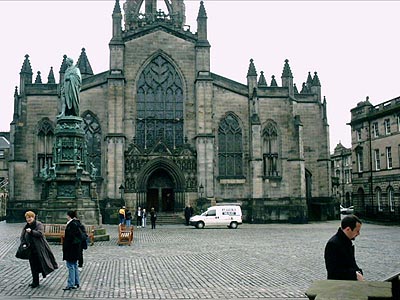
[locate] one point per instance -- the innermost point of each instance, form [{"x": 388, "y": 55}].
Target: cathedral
[{"x": 162, "y": 130}]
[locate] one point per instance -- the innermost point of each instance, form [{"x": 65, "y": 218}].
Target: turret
[
  {"x": 316, "y": 87},
  {"x": 84, "y": 65},
  {"x": 287, "y": 78},
  {"x": 251, "y": 77},
  {"x": 25, "y": 76},
  {"x": 117, "y": 19},
  {"x": 50, "y": 77},
  {"x": 202, "y": 44},
  {"x": 116, "y": 44}
]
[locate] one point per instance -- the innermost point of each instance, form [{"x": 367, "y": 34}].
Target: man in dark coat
[
  {"x": 71, "y": 250},
  {"x": 339, "y": 251}
]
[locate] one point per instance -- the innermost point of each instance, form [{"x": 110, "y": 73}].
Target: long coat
[
  {"x": 339, "y": 258},
  {"x": 41, "y": 248},
  {"x": 72, "y": 242}
]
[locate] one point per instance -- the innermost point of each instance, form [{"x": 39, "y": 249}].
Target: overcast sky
[{"x": 353, "y": 45}]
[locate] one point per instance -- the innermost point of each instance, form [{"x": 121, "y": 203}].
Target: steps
[{"x": 168, "y": 219}]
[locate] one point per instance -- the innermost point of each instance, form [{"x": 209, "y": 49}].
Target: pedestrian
[
  {"x": 128, "y": 217},
  {"x": 144, "y": 218},
  {"x": 121, "y": 215},
  {"x": 84, "y": 242},
  {"x": 41, "y": 259},
  {"x": 153, "y": 218},
  {"x": 188, "y": 214},
  {"x": 71, "y": 250},
  {"x": 139, "y": 217},
  {"x": 339, "y": 251}
]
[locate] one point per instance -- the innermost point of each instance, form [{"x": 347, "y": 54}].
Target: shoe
[
  {"x": 80, "y": 269},
  {"x": 77, "y": 286},
  {"x": 34, "y": 285},
  {"x": 68, "y": 288}
]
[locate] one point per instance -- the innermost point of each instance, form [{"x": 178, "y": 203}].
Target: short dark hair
[
  {"x": 350, "y": 221},
  {"x": 72, "y": 213}
]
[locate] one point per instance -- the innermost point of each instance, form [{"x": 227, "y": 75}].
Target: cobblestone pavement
[{"x": 269, "y": 261}]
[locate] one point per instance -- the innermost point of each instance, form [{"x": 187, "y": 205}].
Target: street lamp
[
  {"x": 201, "y": 190},
  {"x": 121, "y": 191}
]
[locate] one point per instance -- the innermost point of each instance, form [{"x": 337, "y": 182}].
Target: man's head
[{"x": 351, "y": 226}]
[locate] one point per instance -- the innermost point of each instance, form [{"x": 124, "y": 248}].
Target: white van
[{"x": 221, "y": 215}]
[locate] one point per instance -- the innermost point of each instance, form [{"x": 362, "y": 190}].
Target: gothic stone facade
[
  {"x": 376, "y": 159},
  {"x": 164, "y": 131}
]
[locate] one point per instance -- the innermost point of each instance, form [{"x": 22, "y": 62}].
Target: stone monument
[{"x": 70, "y": 183}]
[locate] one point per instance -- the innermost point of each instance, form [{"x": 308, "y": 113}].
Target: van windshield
[{"x": 211, "y": 213}]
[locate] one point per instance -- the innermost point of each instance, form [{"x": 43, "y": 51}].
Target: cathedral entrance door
[{"x": 160, "y": 192}]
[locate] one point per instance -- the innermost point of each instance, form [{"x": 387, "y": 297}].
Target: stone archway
[{"x": 161, "y": 185}]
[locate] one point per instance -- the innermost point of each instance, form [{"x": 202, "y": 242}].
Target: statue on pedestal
[{"x": 70, "y": 90}]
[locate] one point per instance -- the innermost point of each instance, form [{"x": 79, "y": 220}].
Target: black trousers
[{"x": 35, "y": 268}]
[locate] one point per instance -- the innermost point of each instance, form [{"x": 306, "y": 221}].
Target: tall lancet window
[
  {"x": 271, "y": 151},
  {"x": 159, "y": 105},
  {"x": 93, "y": 141},
  {"x": 230, "y": 149},
  {"x": 45, "y": 140}
]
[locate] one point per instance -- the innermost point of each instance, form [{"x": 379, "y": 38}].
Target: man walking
[{"x": 339, "y": 251}]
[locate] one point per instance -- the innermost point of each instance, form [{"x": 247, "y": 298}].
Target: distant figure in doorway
[
  {"x": 121, "y": 215},
  {"x": 188, "y": 214},
  {"x": 128, "y": 217},
  {"x": 153, "y": 218},
  {"x": 139, "y": 217},
  {"x": 144, "y": 218},
  {"x": 339, "y": 251}
]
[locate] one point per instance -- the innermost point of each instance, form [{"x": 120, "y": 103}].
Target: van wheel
[
  {"x": 233, "y": 225},
  {"x": 200, "y": 225}
]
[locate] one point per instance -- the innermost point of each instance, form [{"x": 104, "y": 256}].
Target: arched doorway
[{"x": 160, "y": 191}]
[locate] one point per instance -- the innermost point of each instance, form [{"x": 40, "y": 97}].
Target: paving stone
[{"x": 269, "y": 261}]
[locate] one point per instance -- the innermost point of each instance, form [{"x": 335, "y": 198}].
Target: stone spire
[
  {"x": 16, "y": 105},
  {"x": 251, "y": 77},
  {"x": 38, "y": 78},
  {"x": 202, "y": 25},
  {"x": 304, "y": 89},
  {"x": 252, "y": 69},
  {"x": 315, "y": 80},
  {"x": 295, "y": 89},
  {"x": 262, "y": 83},
  {"x": 117, "y": 19},
  {"x": 63, "y": 68},
  {"x": 25, "y": 76},
  {"x": 309, "y": 81},
  {"x": 84, "y": 65},
  {"x": 286, "y": 70},
  {"x": 273, "y": 81},
  {"x": 316, "y": 87},
  {"x": 50, "y": 77}
]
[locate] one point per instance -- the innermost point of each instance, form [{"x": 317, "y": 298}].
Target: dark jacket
[
  {"x": 40, "y": 248},
  {"x": 72, "y": 242},
  {"x": 339, "y": 258}
]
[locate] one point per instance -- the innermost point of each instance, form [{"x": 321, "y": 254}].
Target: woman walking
[{"x": 41, "y": 259}]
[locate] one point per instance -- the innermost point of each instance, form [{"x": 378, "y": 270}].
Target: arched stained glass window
[
  {"x": 270, "y": 150},
  {"x": 230, "y": 150},
  {"x": 93, "y": 140},
  {"x": 159, "y": 105},
  {"x": 45, "y": 136}
]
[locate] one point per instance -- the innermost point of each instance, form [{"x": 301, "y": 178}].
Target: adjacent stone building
[
  {"x": 4, "y": 152},
  {"x": 164, "y": 131},
  {"x": 341, "y": 175},
  {"x": 375, "y": 135}
]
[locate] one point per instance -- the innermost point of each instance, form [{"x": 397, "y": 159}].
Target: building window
[
  {"x": 270, "y": 150},
  {"x": 45, "y": 138},
  {"x": 378, "y": 193},
  {"x": 93, "y": 140},
  {"x": 358, "y": 133},
  {"x": 389, "y": 162},
  {"x": 375, "y": 129},
  {"x": 391, "y": 199},
  {"x": 1, "y": 153},
  {"x": 398, "y": 123},
  {"x": 346, "y": 161},
  {"x": 230, "y": 150},
  {"x": 387, "y": 126},
  {"x": 338, "y": 174},
  {"x": 347, "y": 176},
  {"x": 159, "y": 105},
  {"x": 359, "y": 155},
  {"x": 377, "y": 160}
]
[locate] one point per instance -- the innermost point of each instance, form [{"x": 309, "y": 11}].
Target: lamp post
[{"x": 121, "y": 191}]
